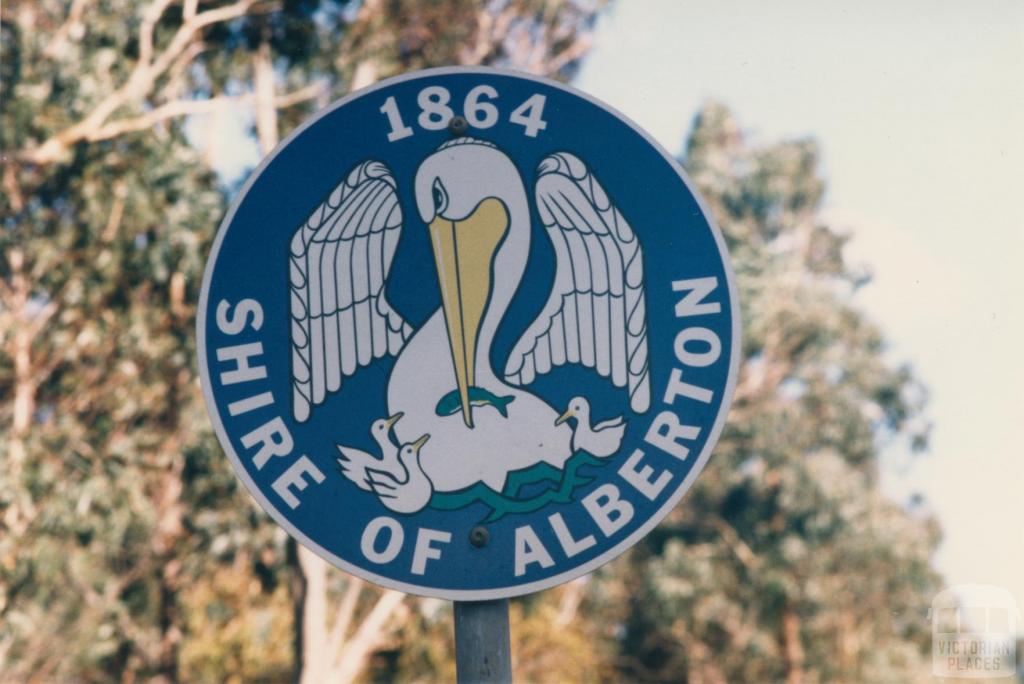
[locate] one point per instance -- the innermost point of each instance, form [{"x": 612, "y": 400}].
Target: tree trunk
[
  {"x": 314, "y": 653},
  {"x": 27, "y": 377},
  {"x": 168, "y": 533},
  {"x": 297, "y": 590},
  {"x": 266, "y": 111},
  {"x": 792, "y": 647},
  {"x": 24, "y": 382},
  {"x": 170, "y": 617}
]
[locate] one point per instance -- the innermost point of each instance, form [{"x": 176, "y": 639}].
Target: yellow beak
[
  {"x": 418, "y": 444},
  {"x": 464, "y": 255},
  {"x": 393, "y": 419},
  {"x": 564, "y": 417}
]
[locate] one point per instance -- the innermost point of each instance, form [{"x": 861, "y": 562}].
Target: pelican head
[
  {"x": 380, "y": 428},
  {"x": 409, "y": 453},
  {"x": 464, "y": 191},
  {"x": 579, "y": 409}
]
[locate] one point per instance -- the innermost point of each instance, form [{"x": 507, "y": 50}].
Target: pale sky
[{"x": 919, "y": 109}]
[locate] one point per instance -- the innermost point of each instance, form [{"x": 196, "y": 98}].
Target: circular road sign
[{"x": 468, "y": 333}]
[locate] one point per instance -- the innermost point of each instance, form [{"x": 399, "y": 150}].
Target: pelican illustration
[
  {"x": 599, "y": 440},
  {"x": 354, "y": 463},
  {"x": 408, "y": 492},
  {"x": 473, "y": 201}
]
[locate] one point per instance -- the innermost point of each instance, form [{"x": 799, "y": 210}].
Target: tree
[
  {"x": 785, "y": 562},
  {"x": 126, "y": 539}
]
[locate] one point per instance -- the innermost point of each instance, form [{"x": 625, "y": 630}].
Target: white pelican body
[
  {"x": 459, "y": 456},
  {"x": 471, "y": 176}
]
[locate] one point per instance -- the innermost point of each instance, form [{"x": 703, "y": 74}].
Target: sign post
[
  {"x": 468, "y": 334},
  {"x": 483, "y": 650}
]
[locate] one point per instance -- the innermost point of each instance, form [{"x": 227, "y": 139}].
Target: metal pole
[{"x": 483, "y": 652}]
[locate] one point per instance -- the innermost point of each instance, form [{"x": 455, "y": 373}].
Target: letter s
[{"x": 232, "y": 325}]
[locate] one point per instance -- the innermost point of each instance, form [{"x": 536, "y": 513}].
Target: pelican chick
[
  {"x": 602, "y": 439},
  {"x": 407, "y": 495},
  {"x": 355, "y": 462}
]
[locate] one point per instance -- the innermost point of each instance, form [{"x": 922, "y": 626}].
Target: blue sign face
[{"x": 468, "y": 334}]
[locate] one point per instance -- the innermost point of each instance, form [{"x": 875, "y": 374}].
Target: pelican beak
[
  {"x": 390, "y": 422},
  {"x": 464, "y": 256},
  {"x": 565, "y": 416},
  {"x": 418, "y": 444}
]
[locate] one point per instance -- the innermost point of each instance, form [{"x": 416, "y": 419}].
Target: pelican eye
[{"x": 440, "y": 197}]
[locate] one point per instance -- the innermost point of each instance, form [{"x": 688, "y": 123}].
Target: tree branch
[
  {"x": 42, "y": 317},
  {"x": 343, "y": 619},
  {"x": 364, "y": 75},
  {"x": 792, "y": 645},
  {"x": 176, "y": 108},
  {"x": 367, "y": 637},
  {"x": 490, "y": 34},
  {"x": 166, "y": 111},
  {"x": 188, "y": 29},
  {"x": 149, "y": 19},
  {"x": 61, "y": 34},
  {"x": 739, "y": 547},
  {"x": 176, "y": 72},
  {"x": 141, "y": 80},
  {"x": 574, "y": 51},
  {"x": 13, "y": 188},
  {"x": 116, "y": 213},
  {"x": 309, "y": 92},
  {"x": 263, "y": 82},
  {"x": 572, "y": 596}
]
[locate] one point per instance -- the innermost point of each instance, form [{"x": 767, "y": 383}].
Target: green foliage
[{"x": 91, "y": 491}]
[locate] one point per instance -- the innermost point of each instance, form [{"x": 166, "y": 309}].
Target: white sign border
[{"x": 473, "y": 594}]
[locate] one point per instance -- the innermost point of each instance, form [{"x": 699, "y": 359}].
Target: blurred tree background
[{"x": 130, "y": 552}]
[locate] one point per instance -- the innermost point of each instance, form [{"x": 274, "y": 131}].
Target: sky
[{"x": 919, "y": 110}]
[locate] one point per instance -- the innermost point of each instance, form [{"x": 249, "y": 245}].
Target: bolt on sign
[{"x": 468, "y": 334}]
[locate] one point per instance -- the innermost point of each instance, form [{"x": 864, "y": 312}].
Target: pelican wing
[
  {"x": 383, "y": 484},
  {"x": 339, "y": 261},
  {"x": 595, "y": 315}
]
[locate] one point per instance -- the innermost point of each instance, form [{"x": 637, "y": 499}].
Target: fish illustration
[{"x": 478, "y": 396}]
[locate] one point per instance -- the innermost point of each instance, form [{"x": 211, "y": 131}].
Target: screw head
[
  {"x": 458, "y": 125},
  {"x": 479, "y": 536}
]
